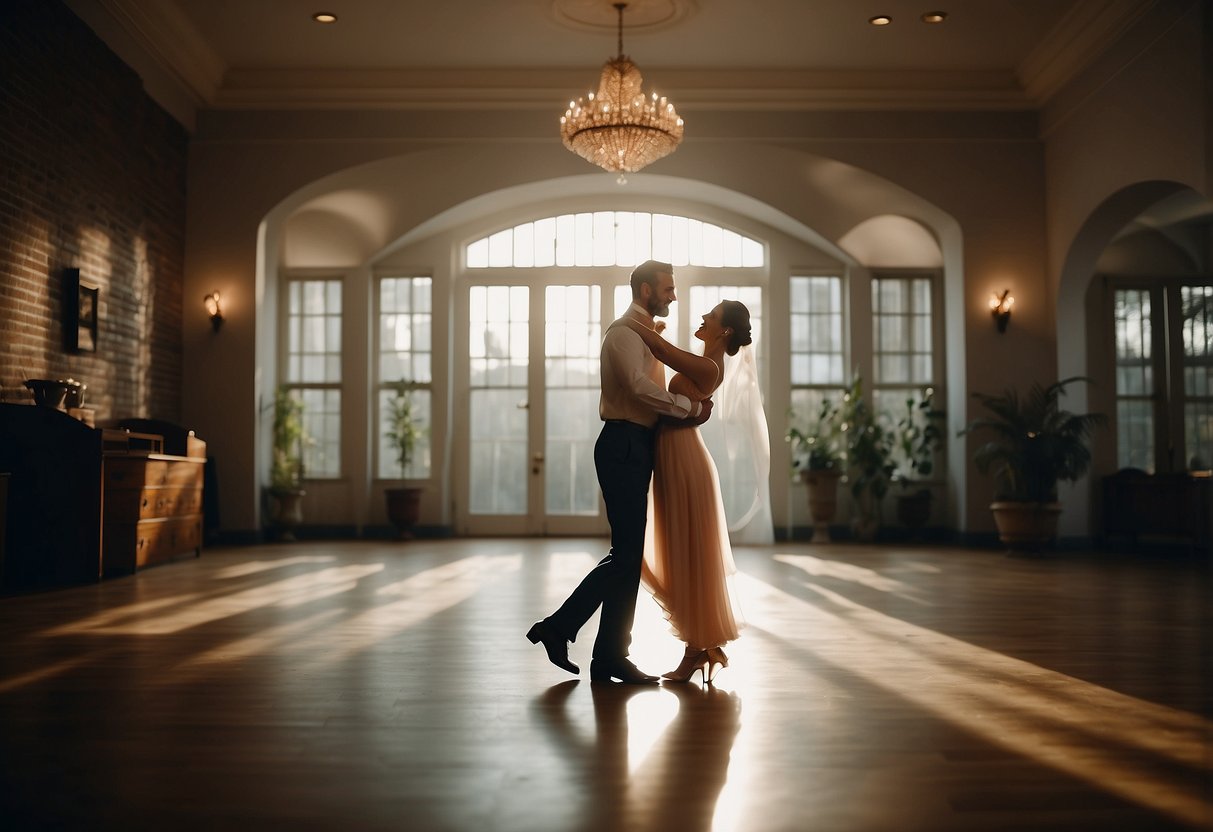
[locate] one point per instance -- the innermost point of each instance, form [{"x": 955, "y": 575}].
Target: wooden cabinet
[
  {"x": 84, "y": 502},
  {"x": 152, "y": 509},
  {"x": 53, "y": 524}
]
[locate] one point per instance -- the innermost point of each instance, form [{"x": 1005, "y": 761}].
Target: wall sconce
[
  {"x": 1000, "y": 308},
  {"x": 212, "y": 309}
]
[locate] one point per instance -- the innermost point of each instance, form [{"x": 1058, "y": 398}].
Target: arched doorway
[
  {"x": 365, "y": 224},
  {"x": 1133, "y": 317}
]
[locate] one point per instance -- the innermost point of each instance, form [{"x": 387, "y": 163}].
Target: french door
[
  {"x": 530, "y": 360},
  {"x": 527, "y": 406}
]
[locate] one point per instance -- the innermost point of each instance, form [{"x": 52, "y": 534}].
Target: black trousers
[{"x": 623, "y": 458}]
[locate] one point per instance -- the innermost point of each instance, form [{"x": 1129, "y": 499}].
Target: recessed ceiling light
[
  {"x": 880, "y": 20},
  {"x": 934, "y": 17},
  {"x": 324, "y": 17}
]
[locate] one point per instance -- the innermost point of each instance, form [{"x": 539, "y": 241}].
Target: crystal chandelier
[{"x": 618, "y": 128}]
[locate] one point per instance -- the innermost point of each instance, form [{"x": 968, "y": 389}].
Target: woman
[{"x": 688, "y": 559}]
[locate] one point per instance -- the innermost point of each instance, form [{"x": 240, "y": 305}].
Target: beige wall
[
  {"x": 1129, "y": 132},
  {"x": 1005, "y": 205},
  {"x": 238, "y": 181}
]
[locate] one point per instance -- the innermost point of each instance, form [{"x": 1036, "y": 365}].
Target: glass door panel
[
  {"x": 498, "y": 360},
  {"x": 572, "y": 338},
  {"x": 531, "y": 424}
]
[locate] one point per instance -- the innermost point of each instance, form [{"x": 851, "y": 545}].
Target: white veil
[{"x": 736, "y": 435}]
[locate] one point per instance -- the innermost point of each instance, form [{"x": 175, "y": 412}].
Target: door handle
[{"x": 536, "y": 463}]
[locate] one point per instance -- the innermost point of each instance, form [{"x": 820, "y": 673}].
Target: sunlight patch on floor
[
  {"x": 263, "y": 642},
  {"x": 43, "y": 673},
  {"x": 152, "y": 618},
  {"x": 1082, "y": 729},
  {"x": 254, "y": 567},
  {"x": 851, "y": 573},
  {"x": 419, "y": 597}
]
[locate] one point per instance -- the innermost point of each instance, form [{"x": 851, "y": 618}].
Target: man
[{"x": 632, "y": 401}]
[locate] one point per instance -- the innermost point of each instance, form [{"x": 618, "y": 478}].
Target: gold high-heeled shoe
[
  {"x": 692, "y": 662},
  {"x": 717, "y": 660}
]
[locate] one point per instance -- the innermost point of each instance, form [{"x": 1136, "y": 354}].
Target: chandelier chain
[{"x": 619, "y": 7}]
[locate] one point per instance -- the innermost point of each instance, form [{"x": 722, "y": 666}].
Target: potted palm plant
[
  {"x": 869, "y": 457},
  {"x": 917, "y": 437},
  {"x": 286, "y": 466},
  {"x": 1035, "y": 445},
  {"x": 817, "y": 461},
  {"x": 403, "y": 431}
]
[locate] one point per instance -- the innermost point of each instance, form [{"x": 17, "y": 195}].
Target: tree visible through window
[{"x": 1164, "y": 375}]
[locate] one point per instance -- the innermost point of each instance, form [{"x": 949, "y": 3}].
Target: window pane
[
  {"x": 584, "y": 251},
  {"x": 620, "y": 238},
  {"x": 405, "y": 345},
  {"x": 498, "y": 451},
  {"x": 816, "y": 330},
  {"x": 1198, "y": 435},
  {"x": 1134, "y": 379},
  {"x": 1196, "y": 308},
  {"x": 501, "y": 248},
  {"x": 902, "y": 336},
  {"x": 387, "y": 452},
  {"x": 604, "y": 238},
  {"x": 313, "y": 325},
  {"x": 1135, "y": 434},
  {"x": 545, "y": 242},
  {"x": 322, "y": 427}
]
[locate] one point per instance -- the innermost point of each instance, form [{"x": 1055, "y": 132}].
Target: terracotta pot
[
  {"x": 286, "y": 511},
  {"x": 403, "y": 509},
  {"x": 1026, "y": 527},
  {"x": 823, "y": 500}
]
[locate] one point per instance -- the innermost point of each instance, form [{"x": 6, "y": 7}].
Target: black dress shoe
[
  {"x": 621, "y": 669},
  {"x": 556, "y": 645}
]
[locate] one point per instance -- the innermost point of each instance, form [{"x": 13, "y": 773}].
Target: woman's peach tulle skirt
[{"x": 688, "y": 562}]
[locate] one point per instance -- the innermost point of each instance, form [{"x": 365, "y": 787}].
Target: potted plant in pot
[
  {"x": 403, "y": 431},
  {"x": 869, "y": 456},
  {"x": 917, "y": 437},
  {"x": 817, "y": 461},
  {"x": 1035, "y": 445},
  {"x": 286, "y": 466}
]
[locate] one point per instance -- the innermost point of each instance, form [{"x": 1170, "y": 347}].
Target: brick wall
[{"x": 92, "y": 176}]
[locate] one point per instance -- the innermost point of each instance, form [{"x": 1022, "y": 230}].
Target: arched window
[{"x": 614, "y": 238}]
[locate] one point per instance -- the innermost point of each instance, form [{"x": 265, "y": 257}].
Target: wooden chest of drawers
[{"x": 152, "y": 509}]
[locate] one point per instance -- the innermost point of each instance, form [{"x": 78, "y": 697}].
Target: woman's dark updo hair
[{"x": 735, "y": 316}]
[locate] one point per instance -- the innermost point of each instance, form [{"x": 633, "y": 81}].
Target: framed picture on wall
[{"x": 80, "y": 312}]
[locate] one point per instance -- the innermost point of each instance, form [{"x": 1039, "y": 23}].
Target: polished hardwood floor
[{"x": 367, "y": 686}]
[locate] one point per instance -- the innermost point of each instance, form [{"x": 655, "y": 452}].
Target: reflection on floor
[{"x": 389, "y": 686}]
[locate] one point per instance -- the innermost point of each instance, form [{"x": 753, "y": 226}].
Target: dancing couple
[{"x": 649, "y": 434}]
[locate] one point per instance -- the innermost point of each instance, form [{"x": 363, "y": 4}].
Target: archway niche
[
  {"x": 1158, "y": 228},
  {"x": 355, "y": 220}
]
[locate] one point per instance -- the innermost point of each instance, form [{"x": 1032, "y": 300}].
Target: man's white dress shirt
[{"x": 629, "y": 372}]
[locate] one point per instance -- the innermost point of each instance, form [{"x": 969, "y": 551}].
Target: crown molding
[
  {"x": 179, "y": 68},
  {"x": 1084, "y": 33},
  {"x": 690, "y": 90}
]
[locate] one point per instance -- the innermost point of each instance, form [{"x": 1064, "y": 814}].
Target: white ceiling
[
  {"x": 802, "y": 54},
  {"x": 757, "y": 34}
]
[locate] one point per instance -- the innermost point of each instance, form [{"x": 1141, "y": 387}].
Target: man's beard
[{"x": 658, "y": 309}]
